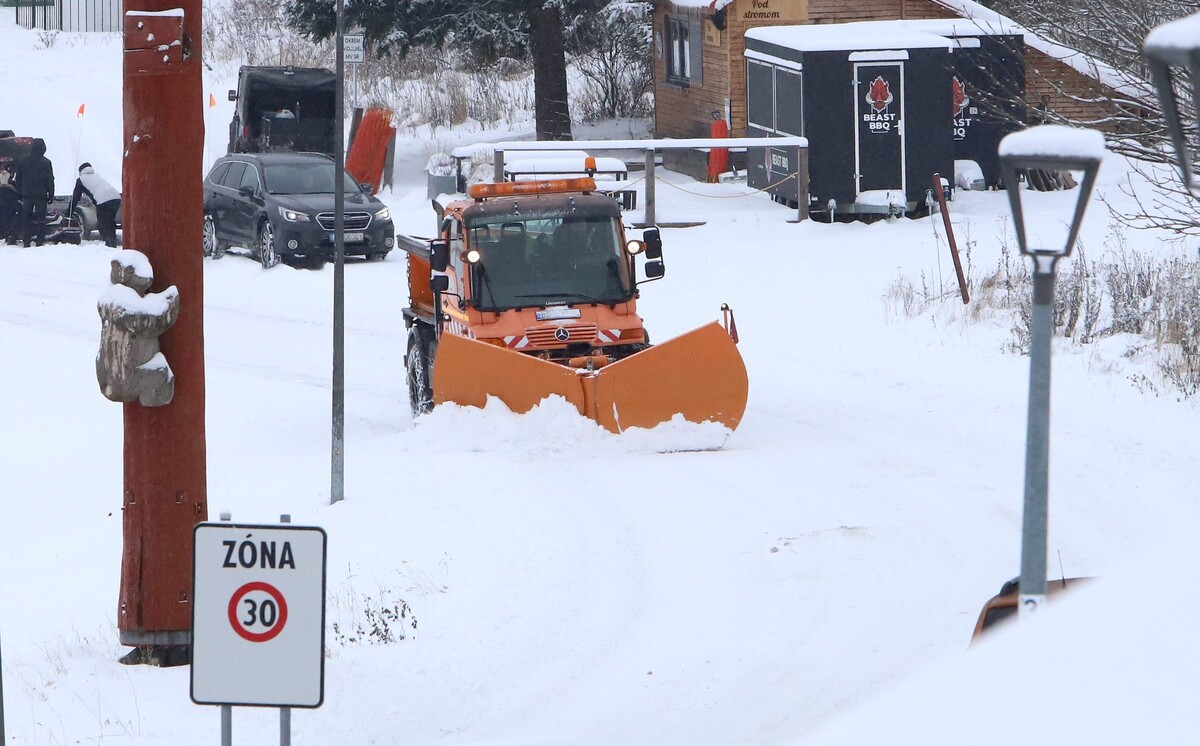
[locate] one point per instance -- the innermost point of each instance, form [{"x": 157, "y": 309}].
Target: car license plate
[{"x": 350, "y": 237}]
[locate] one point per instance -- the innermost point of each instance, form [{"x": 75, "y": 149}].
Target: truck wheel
[
  {"x": 419, "y": 369},
  {"x": 267, "y": 255}
]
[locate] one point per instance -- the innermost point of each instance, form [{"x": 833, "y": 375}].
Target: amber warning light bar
[{"x": 550, "y": 186}]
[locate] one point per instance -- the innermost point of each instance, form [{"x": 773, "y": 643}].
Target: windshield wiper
[{"x": 579, "y": 296}]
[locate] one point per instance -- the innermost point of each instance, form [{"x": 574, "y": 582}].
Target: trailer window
[
  {"x": 549, "y": 260},
  {"x": 760, "y": 95},
  {"x": 789, "y": 98}
]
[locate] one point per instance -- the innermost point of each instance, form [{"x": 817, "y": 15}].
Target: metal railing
[
  {"x": 69, "y": 15},
  {"x": 652, "y": 146}
]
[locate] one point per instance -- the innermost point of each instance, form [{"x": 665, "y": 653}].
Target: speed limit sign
[{"x": 258, "y": 615}]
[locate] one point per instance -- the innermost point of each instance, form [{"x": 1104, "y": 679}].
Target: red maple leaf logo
[
  {"x": 880, "y": 94},
  {"x": 958, "y": 92}
]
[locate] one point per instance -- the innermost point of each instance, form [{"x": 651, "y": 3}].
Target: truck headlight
[
  {"x": 292, "y": 216},
  {"x": 384, "y": 214}
]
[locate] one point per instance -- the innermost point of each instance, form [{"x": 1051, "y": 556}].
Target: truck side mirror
[
  {"x": 439, "y": 255},
  {"x": 439, "y": 283},
  {"x": 232, "y": 95},
  {"x": 655, "y": 269},
  {"x": 653, "y": 240}
]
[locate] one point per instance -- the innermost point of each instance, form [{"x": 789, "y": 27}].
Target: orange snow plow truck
[{"x": 530, "y": 290}]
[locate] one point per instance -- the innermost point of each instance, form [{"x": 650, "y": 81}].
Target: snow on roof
[
  {"x": 710, "y": 4},
  {"x": 963, "y": 26},
  {"x": 847, "y": 36},
  {"x": 1181, "y": 35},
  {"x": 1080, "y": 62},
  {"x": 1054, "y": 140}
]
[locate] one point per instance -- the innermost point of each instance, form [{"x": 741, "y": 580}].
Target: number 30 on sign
[{"x": 258, "y": 611}]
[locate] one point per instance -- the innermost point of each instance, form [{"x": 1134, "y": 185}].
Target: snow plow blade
[
  {"x": 699, "y": 375},
  {"x": 467, "y": 372}
]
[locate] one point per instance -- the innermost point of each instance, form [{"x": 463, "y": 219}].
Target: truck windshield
[
  {"x": 315, "y": 177},
  {"x": 550, "y": 260}
]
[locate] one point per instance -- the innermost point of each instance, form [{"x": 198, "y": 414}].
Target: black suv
[{"x": 281, "y": 204}]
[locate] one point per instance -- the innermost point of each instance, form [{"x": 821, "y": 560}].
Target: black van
[{"x": 283, "y": 108}]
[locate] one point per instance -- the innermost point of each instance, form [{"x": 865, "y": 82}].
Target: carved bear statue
[{"x": 129, "y": 366}]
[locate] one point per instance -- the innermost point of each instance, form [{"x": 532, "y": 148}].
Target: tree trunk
[{"x": 551, "y": 109}]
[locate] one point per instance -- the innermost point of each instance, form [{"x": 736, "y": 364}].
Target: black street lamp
[
  {"x": 1176, "y": 45},
  {"x": 1054, "y": 148}
]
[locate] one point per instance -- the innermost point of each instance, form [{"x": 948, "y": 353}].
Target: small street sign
[
  {"x": 353, "y": 50},
  {"x": 258, "y": 615}
]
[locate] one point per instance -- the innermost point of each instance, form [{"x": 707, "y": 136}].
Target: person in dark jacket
[
  {"x": 104, "y": 196},
  {"x": 10, "y": 207},
  {"x": 35, "y": 183}
]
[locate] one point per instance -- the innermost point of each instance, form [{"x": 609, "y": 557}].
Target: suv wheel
[
  {"x": 267, "y": 255},
  {"x": 212, "y": 246}
]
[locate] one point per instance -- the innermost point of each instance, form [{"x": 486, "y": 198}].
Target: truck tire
[{"x": 418, "y": 366}]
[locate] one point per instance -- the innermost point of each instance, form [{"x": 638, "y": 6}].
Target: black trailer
[
  {"x": 987, "y": 66},
  {"x": 870, "y": 97},
  {"x": 283, "y": 108}
]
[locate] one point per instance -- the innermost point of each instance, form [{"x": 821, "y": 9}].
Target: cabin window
[{"x": 683, "y": 52}]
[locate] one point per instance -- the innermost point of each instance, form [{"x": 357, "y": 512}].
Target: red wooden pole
[
  {"x": 958, "y": 270},
  {"x": 165, "y": 485}
]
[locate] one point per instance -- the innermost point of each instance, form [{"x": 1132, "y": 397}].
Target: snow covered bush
[
  {"x": 366, "y": 619},
  {"x": 1140, "y": 307}
]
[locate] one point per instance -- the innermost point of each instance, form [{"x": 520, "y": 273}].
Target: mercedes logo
[{"x": 561, "y": 334}]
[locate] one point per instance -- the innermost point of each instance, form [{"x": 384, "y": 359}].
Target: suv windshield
[
  {"x": 550, "y": 260},
  {"x": 315, "y": 177}
]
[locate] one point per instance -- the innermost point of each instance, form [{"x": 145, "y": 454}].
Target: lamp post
[
  {"x": 1057, "y": 148},
  {"x": 1177, "y": 45}
]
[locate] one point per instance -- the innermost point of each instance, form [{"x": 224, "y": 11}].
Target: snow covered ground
[{"x": 815, "y": 581}]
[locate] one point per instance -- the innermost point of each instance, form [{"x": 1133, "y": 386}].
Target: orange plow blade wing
[
  {"x": 467, "y": 372},
  {"x": 699, "y": 374}
]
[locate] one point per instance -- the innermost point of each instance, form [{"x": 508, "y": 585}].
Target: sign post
[{"x": 258, "y": 617}]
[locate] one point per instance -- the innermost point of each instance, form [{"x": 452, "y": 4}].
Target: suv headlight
[
  {"x": 292, "y": 216},
  {"x": 384, "y": 214}
]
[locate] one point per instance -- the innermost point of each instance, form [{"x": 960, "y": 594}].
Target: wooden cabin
[{"x": 700, "y": 68}]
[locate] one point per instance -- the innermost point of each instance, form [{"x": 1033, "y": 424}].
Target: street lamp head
[
  {"x": 1050, "y": 147},
  {"x": 1170, "y": 47}
]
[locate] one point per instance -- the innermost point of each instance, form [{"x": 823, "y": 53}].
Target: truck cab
[{"x": 541, "y": 268}]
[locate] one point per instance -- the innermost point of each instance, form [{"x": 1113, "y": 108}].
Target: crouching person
[{"x": 106, "y": 198}]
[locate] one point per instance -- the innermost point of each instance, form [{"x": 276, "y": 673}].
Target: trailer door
[{"x": 879, "y": 125}]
